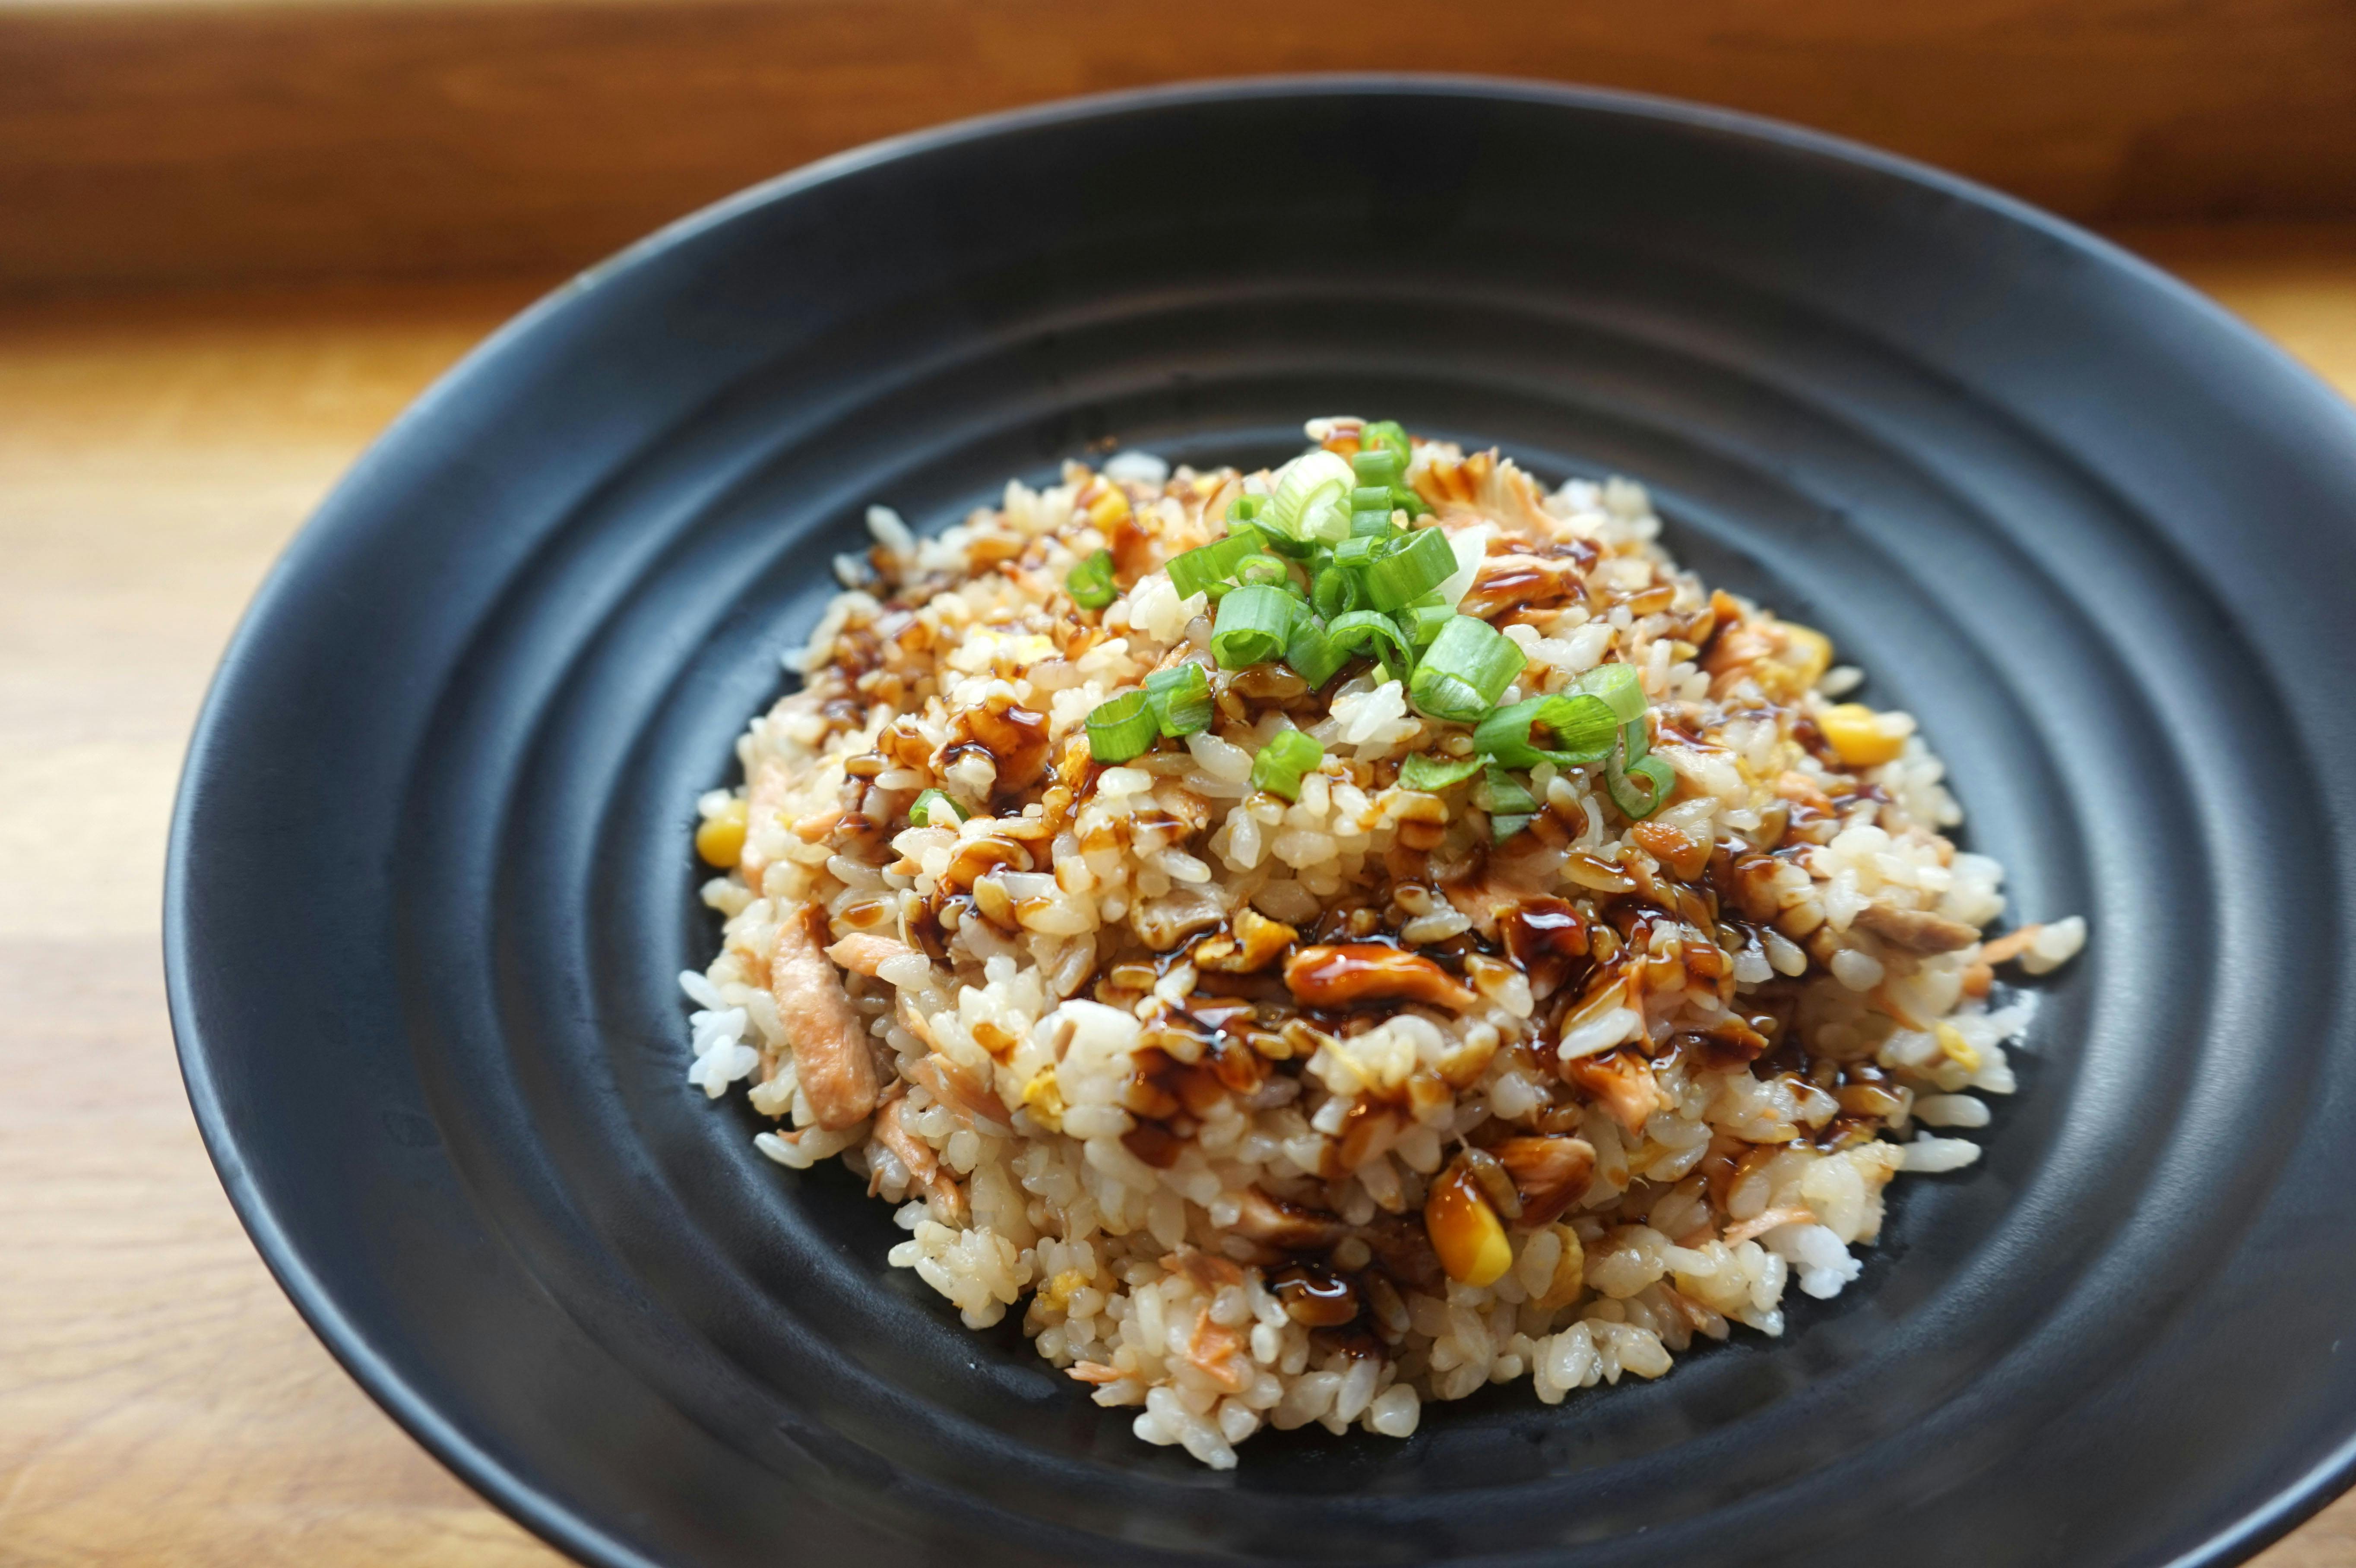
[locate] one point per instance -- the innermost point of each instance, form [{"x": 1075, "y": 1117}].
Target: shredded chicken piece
[
  {"x": 925, "y": 1173},
  {"x": 1917, "y": 931},
  {"x": 830, "y": 1056},
  {"x": 1621, "y": 1082},
  {"x": 864, "y": 955},
  {"x": 2011, "y": 945},
  {"x": 1336, "y": 976},
  {"x": 964, "y": 1094},
  {"x": 1760, "y": 1224},
  {"x": 1292, "y": 1227},
  {"x": 1548, "y": 1172}
]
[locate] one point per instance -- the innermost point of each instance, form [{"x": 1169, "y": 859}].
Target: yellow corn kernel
[
  {"x": 721, "y": 840},
  {"x": 1109, "y": 507},
  {"x": 1863, "y": 737},
  {"x": 1959, "y": 1049},
  {"x": 1043, "y": 1098},
  {"x": 1056, "y": 1295},
  {"x": 1807, "y": 653},
  {"x": 1465, "y": 1231}
]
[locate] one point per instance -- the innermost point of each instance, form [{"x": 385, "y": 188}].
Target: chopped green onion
[
  {"x": 1196, "y": 571},
  {"x": 1261, "y": 568},
  {"x": 1421, "y": 623},
  {"x": 1091, "y": 583},
  {"x": 1378, "y": 466},
  {"x": 1244, "y": 508},
  {"x": 1357, "y": 551},
  {"x": 1181, "y": 699},
  {"x": 1122, "y": 727},
  {"x": 1584, "y": 728},
  {"x": 1629, "y": 764},
  {"x": 1371, "y": 498},
  {"x": 1431, "y": 774},
  {"x": 1639, "y": 801},
  {"x": 1281, "y": 763},
  {"x": 1311, "y": 501},
  {"x": 1387, "y": 435},
  {"x": 1371, "y": 524},
  {"x": 1510, "y": 806},
  {"x": 1311, "y": 652},
  {"x": 1337, "y": 591},
  {"x": 1372, "y": 633},
  {"x": 1406, "y": 500},
  {"x": 1416, "y": 563},
  {"x": 1254, "y": 625},
  {"x": 1619, "y": 688},
  {"x": 1465, "y": 670},
  {"x": 934, "y": 809}
]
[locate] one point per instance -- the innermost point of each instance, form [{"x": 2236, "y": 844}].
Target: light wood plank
[{"x": 186, "y": 139}]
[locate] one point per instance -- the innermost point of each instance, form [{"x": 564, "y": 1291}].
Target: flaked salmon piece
[
  {"x": 1292, "y": 1226},
  {"x": 1760, "y": 1224},
  {"x": 1326, "y": 977},
  {"x": 1621, "y": 1082},
  {"x": 925, "y": 1173},
  {"x": 971, "y": 1099},
  {"x": 864, "y": 954},
  {"x": 1547, "y": 1172},
  {"x": 1917, "y": 931},
  {"x": 830, "y": 1056}
]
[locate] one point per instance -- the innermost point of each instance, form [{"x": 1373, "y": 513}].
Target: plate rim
[{"x": 515, "y": 1494}]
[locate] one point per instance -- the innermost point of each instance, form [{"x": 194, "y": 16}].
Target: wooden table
[{"x": 159, "y": 1401}]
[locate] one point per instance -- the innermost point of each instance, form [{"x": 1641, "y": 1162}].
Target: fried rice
[{"x": 1272, "y": 1098}]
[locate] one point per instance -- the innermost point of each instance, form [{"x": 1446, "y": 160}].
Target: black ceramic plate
[{"x": 430, "y": 882}]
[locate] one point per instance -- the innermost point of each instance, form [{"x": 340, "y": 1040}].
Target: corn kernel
[
  {"x": 1959, "y": 1049},
  {"x": 1807, "y": 653},
  {"x": 1109, "y": 507},
  {"x": 1863, "y": 737},
  {"x": 721, "y": 840},
  {"x": 1043, "y": 1098},
  {"x": 1465, "y": 1231}
]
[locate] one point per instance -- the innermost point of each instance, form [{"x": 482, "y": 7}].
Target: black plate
[{"x": 430, "y": 883}]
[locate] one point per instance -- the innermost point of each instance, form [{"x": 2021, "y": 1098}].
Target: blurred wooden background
[
  {"x": 235, "y": 239},
  {"x": 151, "y": 140}
]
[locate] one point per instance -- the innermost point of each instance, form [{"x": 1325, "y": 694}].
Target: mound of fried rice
[{"x": 1208, "y": 1083}]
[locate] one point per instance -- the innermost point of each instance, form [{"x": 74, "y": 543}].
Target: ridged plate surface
[{"x": 431, "y": 882}]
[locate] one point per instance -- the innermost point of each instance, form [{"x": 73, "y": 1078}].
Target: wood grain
[
  {"x": 159, "y": 1401},
  {"x": 176, "y": 141}
]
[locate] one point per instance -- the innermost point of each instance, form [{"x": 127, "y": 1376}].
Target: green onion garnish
[
  {"x": 1584, "y": 728},
  {"x": 1244, "y": 508},
  {"x": 1415, "y": 563},
  {"x": 1372, "y": 633},
  {"x": 1387, "y": 435},
  {"x": 1181, "y": 699},
  {"x": 1310, "y": 652},
  {"x": 1620, "y": 690},
  {"x": 1196, "y": 571},
  {"x": 934, "y": 809},
  {"x": 1465, "y": 670},
  {"x": 1629, "y": 764},
  {"x": 1338, "y": 591},
  {"x": 1406, "y": 500},
  {"x": 1379, "y": 465},
  {"x": 1431, "y": 774},
  {"x": 1091, "y": 583},
  {"x": 1122, "y": 727},
  {"x": 1258, "y": 567},
  {"x": 1510, "y": 806},
  {"x": 1371, "y": 525},
  {"x": 1421, "y": 623},
  {"x": 1254, "y": 625},
  {"x": 1281, "y": 763},
  {"x": 1311, "y": 502}
]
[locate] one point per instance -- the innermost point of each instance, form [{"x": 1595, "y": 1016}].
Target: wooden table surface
[{"x": 159, "y": 1400}]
